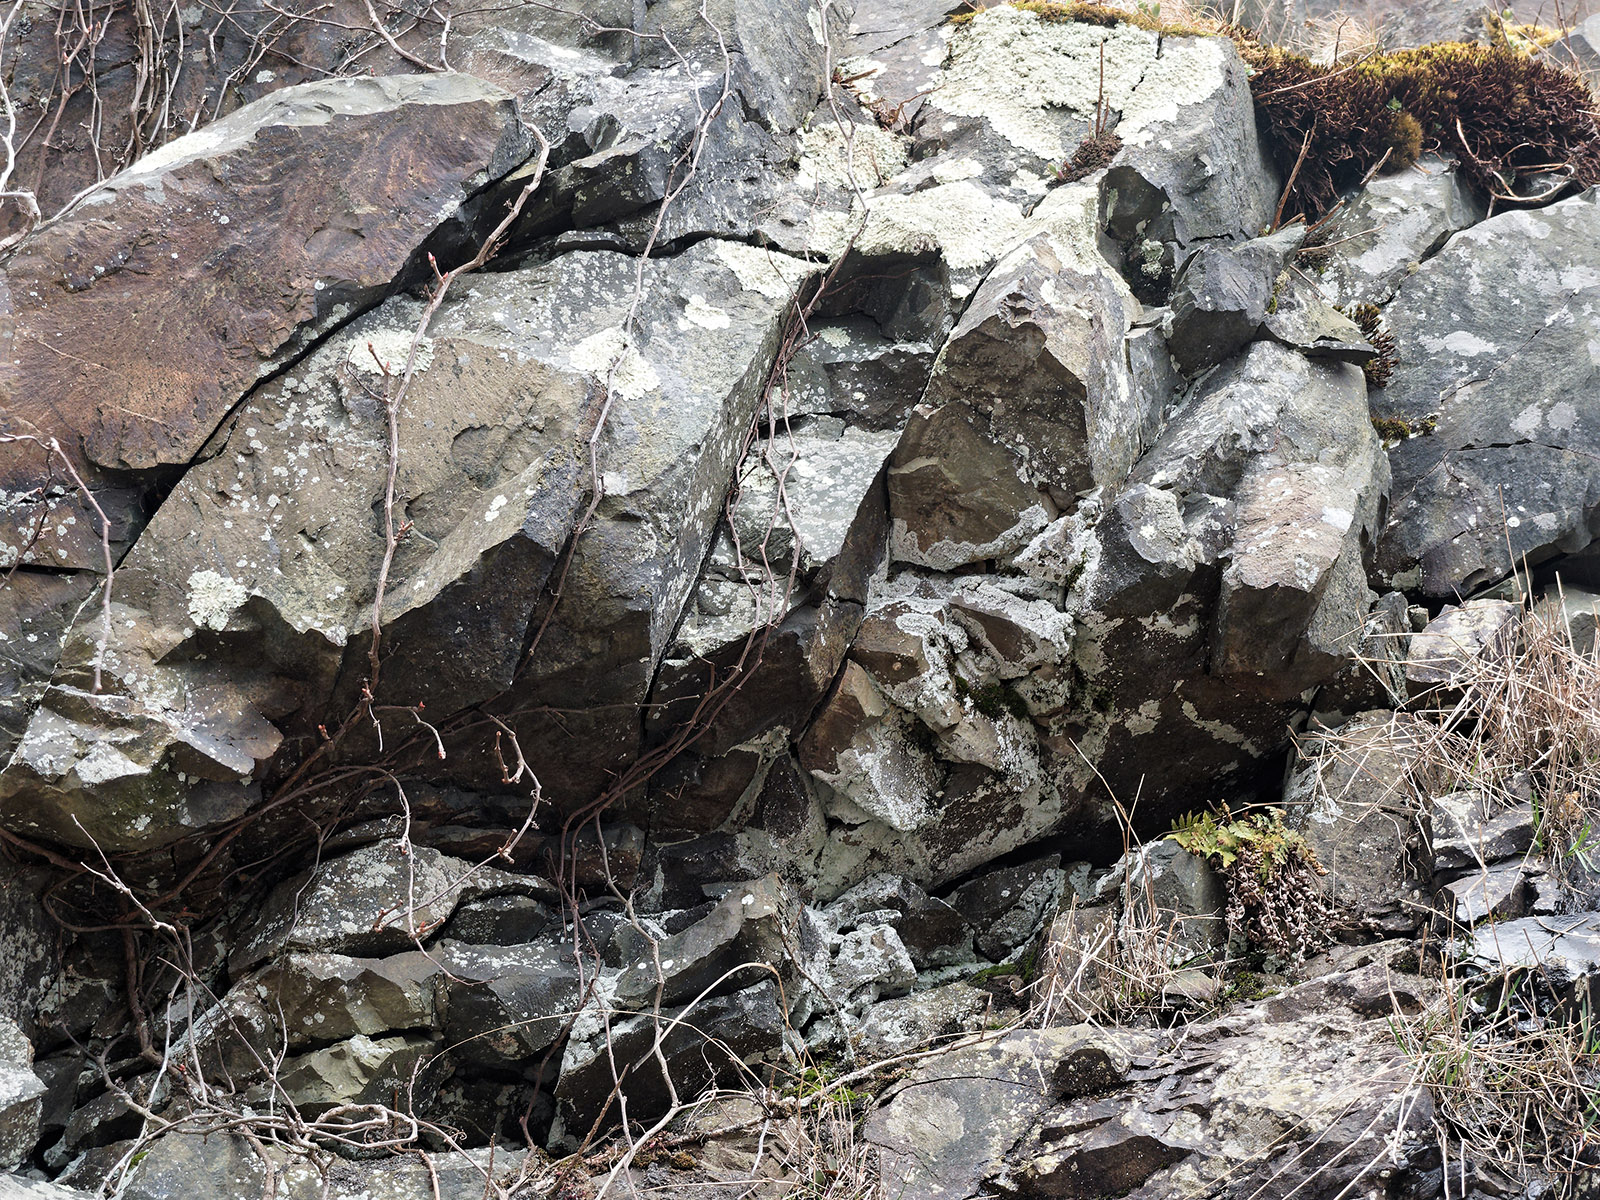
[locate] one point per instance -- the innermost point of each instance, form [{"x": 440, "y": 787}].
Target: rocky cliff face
[{"x": 745, "y": 619}]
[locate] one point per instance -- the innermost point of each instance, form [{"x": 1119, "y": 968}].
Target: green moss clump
[
  {"x": 1501, "y": 114},
  {"x": 992, "y": 699},
  {"x": 1398, "y": 429}
]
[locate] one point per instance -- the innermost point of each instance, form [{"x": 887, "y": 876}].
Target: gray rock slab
[
  {"x": 376, "y": 900},
  {"x": 951, "y": 1124},
  {"x": 21, "y": 1097},
  {"x": 1493, "y": 335},
  {"x": 1459, "y": 639},
  {"x": 1395, "y": 224}
]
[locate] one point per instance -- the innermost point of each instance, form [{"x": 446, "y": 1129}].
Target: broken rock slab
[
  {"x": 381, "y": 899},
  {"x": 1299, "y": 1093},
  {"x": 1563, "y": 952},
  {"x": 1450, "y": 649},
  {"x": 21, "y": 1097},
  {"x": 199, "y": 258},
  {"x": 1355, "y": 803},
  {"x": 1471, "y": 832}
]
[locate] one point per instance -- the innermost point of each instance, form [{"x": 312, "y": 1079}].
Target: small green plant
[
  {"x": 1270, "y": 871},
  {"x": 818, "y": 1081},
  {"x": 993, "y": 698}
]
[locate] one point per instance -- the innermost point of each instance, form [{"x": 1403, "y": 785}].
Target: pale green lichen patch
[
  {"x": 610, "y": 357},
  {"x": 1020, "y": 73},
  {"x": 214, "y": 598}
]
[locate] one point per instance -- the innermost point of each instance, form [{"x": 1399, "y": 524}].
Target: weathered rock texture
[{"x": 791, "y": 560}]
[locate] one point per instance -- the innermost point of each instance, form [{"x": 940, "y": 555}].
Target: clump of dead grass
[
  {"x": 1526, "y": 720},
  {"x": 1515, "y": 1077},
  {"x": 1517, "y": 1089},
  {"x": 1117, "y": 963}
]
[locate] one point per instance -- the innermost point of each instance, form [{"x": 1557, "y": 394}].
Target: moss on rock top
[{"x": 1505, "y": 116}]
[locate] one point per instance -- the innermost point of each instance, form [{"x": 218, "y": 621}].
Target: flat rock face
[{"x": 1494, "y": 341}]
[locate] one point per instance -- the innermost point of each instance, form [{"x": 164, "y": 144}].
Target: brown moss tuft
[
  {"x": 1500, "y": 113},
  {"x": 1369, "y": 319},
  {"x": 1096, "y": 151},
  {"x": 1400, "y": 136}
]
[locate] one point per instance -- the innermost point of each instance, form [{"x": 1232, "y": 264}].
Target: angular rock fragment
[
  {"x": 755, "y": 923},
  {"x": 712, "y": 1041},
  {"x": 1223, "y": 296},
  {"x": 21, "y": 1093},
  {"x": 380, "y": 899},
  {"x": 1448, "y": 651},
  {"x": 949, "y": 1125},
  {"x": 1366, "y": 826},
  {"x": 362, "y": 1070},
  {"x": 177, "y": 261}
]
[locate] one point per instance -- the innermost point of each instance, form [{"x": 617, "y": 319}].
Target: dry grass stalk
[
  {"x": 823, "y": 1156},
  {"x": 1516, "y": 1092},
  {"x": 1514, "y": 1079},
  {"x": 1519, "y": 720},
  {"x": 1527, "y": 720},
  {"x": 1114, "y": 964}
]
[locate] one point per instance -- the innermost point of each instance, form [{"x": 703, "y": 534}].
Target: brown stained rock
[
  {"x": 135, "y": 322},
  {"x": 955, "y": 496}
]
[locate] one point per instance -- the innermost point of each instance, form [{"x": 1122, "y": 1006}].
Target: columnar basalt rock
[{"x": 843, "y": 586}]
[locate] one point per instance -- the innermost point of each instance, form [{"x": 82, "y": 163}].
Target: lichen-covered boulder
[
  {"x": 1022, "y": 85},
  {"x": 177, "y": 260},
  {"x": 242, "y": 612},
  {"x": 168, "y": 291},
  {"x": 951, "y": 1123},
  {"x": 1494, "y": 337}
]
